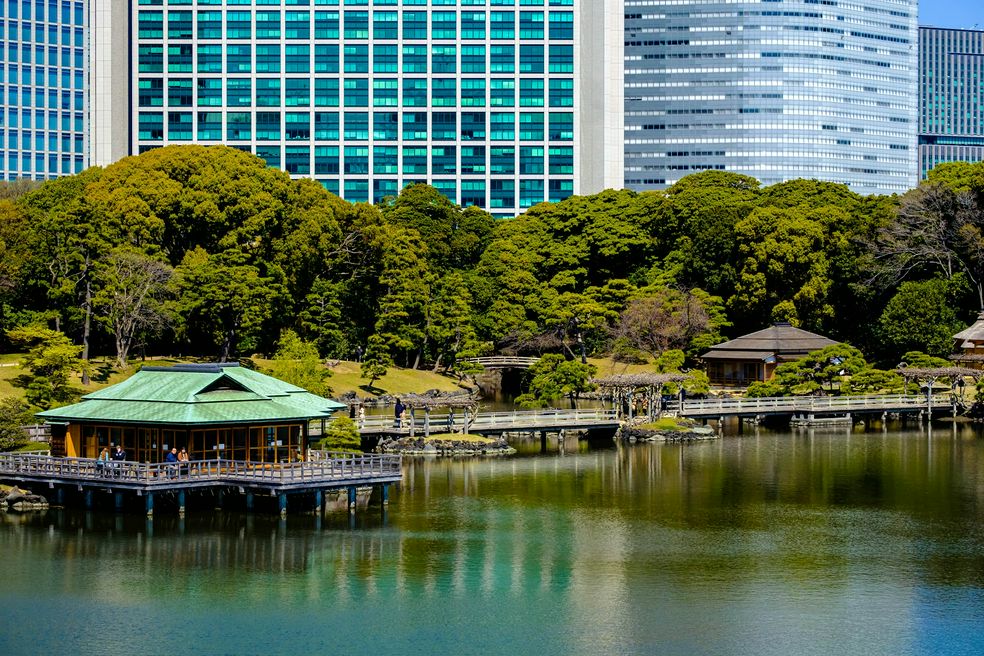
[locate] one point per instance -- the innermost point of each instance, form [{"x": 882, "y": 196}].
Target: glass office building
[
  {"x": 497, "y": 103},
  {"x": 951, "y": 97},
  {"x": 43, "y": 126},
  {"x": 776, "y": 89}
]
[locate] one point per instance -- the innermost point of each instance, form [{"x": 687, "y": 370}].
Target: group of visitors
[
  {"x": 110, "y": 464},
  {"x": 176, "y": 460}
]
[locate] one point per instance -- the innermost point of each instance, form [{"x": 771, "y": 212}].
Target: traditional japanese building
[
  {"x": 968, "y": 345},
  {"x": 754, "y": 357},
  {"x": 214, "y": 410}
]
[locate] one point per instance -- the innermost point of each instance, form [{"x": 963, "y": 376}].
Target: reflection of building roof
[
  {"x": 196, "y": 394},
  {"x": 975, "y": 333},
  {"x": 780, "y": 341}
]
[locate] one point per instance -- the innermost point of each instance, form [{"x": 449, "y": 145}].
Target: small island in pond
[{"x": 446, "y": 444}]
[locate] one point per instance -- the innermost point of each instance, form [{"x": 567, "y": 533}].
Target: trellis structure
[
  {"x": 468, "y": 404},
  {"x": 953, "y": 377},
  {"x": 626, "y": 388}
]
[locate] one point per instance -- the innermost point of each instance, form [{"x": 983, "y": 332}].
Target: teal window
[
  {"x": 414, "y": 92},
  {"x": 530, "y": 25},
  {"x": 502, "y": 59},
  {"x": 502, "y": 160},
  {"x": 268, "y": 58},
  {"x": 269, "y": 153},
  {"x": 502, "y": 193},
  {"x": 385, "y": 160},
  {"x": 385, "y": 25},
  {"x": 150, "y": 126},
  {"x": 356, "y": 160},
  {"x": 297, "y": 25},
  {"x": 210, "y": 25},
  {"x": 209, "y": 58},
  {"x": 472, "y": 126},
  {"x": 268, "y": 126},
  {"x": 448, "y": 188},
  {"x": 326, "y": 58},
  {"x": 473, "y": 193},
  {"x": 382, "y": 189},
  {"x": 561, "y": 25},
  {"x": 356, "y": 126},
  {"x": 210, "y": 126},
  {"x": 531, "y": 161},
  {"x": 530, "y": 126},
  {"x": 297, "y": 160},
  {"x": 179, "y": 58},
  {"x": 385, "y": 126},
  {"x": 239, "y": 25},
  {"x": 239, "y": 59},
  {"x": 414, "y": 126},
  {"x": 179, "y": 92},
  {"x": 326, "y": 126},
  {"x": 472, "y": 59},
  {"x": 150, "y": 25},
  {"x": 414, "y": 25},
  {"x": 561, "y": 92},
  {"x": 356, "y": 24},
  {"x": 267, "y": 93},
  {"x": 297, "y": 126},
  {"x": 502, "y": 126},
  {"x": 444, "y": 160},
  {"x": 414, "y": 59},
  {"x": 326, "y": 25},
  {"x": 179, "y": 25},
  {"x": 326, "y": 92},
  {"x": 150, "y": 59},
  {"x": 502, "y": 93},
  {"x": 444, "y": 92},
  {"x": 150, "y": 93},
  {"x": 502, "y": 25},
  {"x": 473, "y": 92},
  {"x": 356, "y": 191},
  {"x": 561, "y": 59},
  {"x": 385, "y": 92},
  {"x": 297, "y": 92},
  {"x": 179, "y": 126},
  {"x": 414, "y": 160},
  {"x": 268, "y": 25},
  {"x": 444, "y": 25},
  {"x": 561, "y": 160},
  {"x": 326, "y": 160},
  {"x": 385, "y": 59},
  {"x": 297, "y": 58},
  {"x": 356, "y": 92},
  {"x": 561, "y": 126},
  {"x": 530, "y": 193},
  {"x": 531, "y": 92},
  {"x": 473, "y": 159},
  {"x": 444, "y": 59},
  {"x": 210, "y": 92},
  {"x": 531, "y": 59},
  {"x": 473, "y": 25},
  {"x": 560, "y": 189},
  {"x": 356, "y": 58},
  {"x": 444, "y": 126},
  {"x": 239, "y": 92}
]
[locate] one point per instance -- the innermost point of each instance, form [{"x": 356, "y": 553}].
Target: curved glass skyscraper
[{"x": 776, "y": 89}]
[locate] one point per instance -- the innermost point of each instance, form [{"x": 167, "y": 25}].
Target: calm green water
[{"x": 786, "y": 544}]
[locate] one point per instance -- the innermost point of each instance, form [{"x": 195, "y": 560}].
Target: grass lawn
[
  {"x": 608, "y": 367},
  {"x": 666, "y": 424},
  {"x": 346, "y": 378},
  {"x": 458, "y": 437}
]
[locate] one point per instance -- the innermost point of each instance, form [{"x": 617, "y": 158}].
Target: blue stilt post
[
  {"x": 60, "y": 496},
  {"x": 220, "y": 499},
  {"x": 118, "y": 498},
  {"x": 181, "y": 502},
  {"x": 249, "y": 501},
  {"x": 319, "y": 500},
  {"x": 351, "y": 499},
  {"x": 149, "y": 503},
  {"x": 282, "y": 498},
  {"x": 384, "y": 494},
  {"x": 87, "y": 496}
]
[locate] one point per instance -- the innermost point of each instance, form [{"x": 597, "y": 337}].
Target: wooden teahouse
[
  {"x": 968, "y": 345},
  {"x": 213, "y": 410},
  {"x": 754, "y": 357}
]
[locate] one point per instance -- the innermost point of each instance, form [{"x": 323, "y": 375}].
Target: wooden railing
[
  {"x": 504, "y": 361},
  {"x": 808, "y": 404},
  {"x": 515, "y": 420},
  {"x": 330, "y": 469}
]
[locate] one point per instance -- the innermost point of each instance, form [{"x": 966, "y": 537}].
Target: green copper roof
[{"x": 196, "y": 394}]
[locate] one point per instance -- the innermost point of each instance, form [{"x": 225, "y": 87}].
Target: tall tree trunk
[{"x": 86, "y": 328}]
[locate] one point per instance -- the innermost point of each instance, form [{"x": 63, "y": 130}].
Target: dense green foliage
[
  {"x": 14, "y": 414},
  {"x": 203, "y": 251},
  {"x": 341, "y": 434}
]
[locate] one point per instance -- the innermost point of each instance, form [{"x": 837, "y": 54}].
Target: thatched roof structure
[
  {"x": 967, "y": 337},
  {"x": 639, "y": 380},
  {"x": 780, "y": 342},
  {"x": 932, "y": 374}
]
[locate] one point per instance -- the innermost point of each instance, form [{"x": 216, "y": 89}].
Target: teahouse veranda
[{"x": 213, "y": 410}]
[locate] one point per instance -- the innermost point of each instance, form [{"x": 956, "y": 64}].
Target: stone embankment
[
  {"x": 690, "y": 434},
  {"x": 412, "y": 446},
  {"x": 20, "y": 500}
]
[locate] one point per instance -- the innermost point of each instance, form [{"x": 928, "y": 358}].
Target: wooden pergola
[
  {"x": 625, "y": 388},
  {"x": 467, "y": 403},
  {"x": 928, "y": 376}
]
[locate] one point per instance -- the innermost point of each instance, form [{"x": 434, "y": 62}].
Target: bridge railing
[
  {"x": 501, "y": 420},
  {"x": 808, "y": 404},
  {"x": 322, "y": 469},
  {"x": 503, "y": 361}
]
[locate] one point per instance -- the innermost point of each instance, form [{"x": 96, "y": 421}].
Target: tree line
[{"x": 203, "y": 251}]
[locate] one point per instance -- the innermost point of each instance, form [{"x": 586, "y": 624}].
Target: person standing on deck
[
  {"x": 398, "y": 413},
  {"x": 172, "y": 461},
  {"x": 119, "y": 455}
]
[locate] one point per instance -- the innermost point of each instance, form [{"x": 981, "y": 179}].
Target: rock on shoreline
[
  {"x": 413, "y": 446},
  {"x": 634, "y": 434},
  {"x": 20, "y": 500}
]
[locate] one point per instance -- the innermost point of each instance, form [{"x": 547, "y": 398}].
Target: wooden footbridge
[
  {"x": 504, "y": 362},
  {"x": 812, "y": 407},
  {"x": 323, "y": 471},
  {"x": 493, "y": 422}
]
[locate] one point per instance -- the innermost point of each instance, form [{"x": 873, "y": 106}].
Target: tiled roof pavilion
[{"x": 780, "y": 342}]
